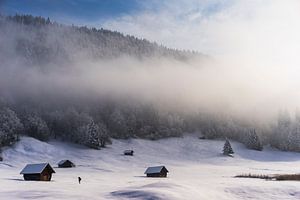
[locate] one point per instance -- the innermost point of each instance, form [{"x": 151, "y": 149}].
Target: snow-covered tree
[
  {"x": 227, "y": 149},
  {"x": 93, "y": 135},
  {"x": 131, "y": 123},
  {"x": 104, "y": 135},
  {"x": 36, "y": 127},
  {"x": 292, "y": 140},
  {"x": 96, "y": 135},
  {"x": 73, "y": 124},
  {"x": 54, "y": 121},
  {"x": 252, "y": 140},
  {"x": 282, "y": 132},
  {"x": 175, "y": 124},
  {"x": 284, "y": 119},
  {"x": 117, "y": 124},
  {"x": 10, "y": 126}
]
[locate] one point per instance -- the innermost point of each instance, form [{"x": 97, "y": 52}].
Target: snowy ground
[{"x": 197, "y": 171}]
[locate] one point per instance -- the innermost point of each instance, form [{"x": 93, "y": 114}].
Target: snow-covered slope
[{"x": 197, "y": 171}]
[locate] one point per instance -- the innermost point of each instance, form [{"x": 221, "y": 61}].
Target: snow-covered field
[{"x": 197, "y": 171}]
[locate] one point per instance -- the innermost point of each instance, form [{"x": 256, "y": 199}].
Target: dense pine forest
[
  {"x": 35, "y": 47},
  {"x": 39, "y": 41}
]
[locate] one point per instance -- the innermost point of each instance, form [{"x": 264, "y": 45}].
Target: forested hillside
[
  {"x": 39, "y": 41},
  {"x": 44, "y": 112},
  {"x": 48, "y": 90}
]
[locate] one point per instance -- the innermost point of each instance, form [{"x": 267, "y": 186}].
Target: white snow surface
[{"x": 197, "y": 170}]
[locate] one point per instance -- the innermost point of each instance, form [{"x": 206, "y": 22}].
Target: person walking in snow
[{"x": 79, "y": 179}]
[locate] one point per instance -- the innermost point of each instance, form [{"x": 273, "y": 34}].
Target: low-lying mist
[
  {"x": 230, "y": 88},
  {"x": 254, "y": 45}
]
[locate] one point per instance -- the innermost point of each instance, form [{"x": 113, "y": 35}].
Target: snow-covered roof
[
  {"x": 63, "y": 161},
  {"x": 153, "y": 170},
  {"x": 35, "y": 168},
  {"x": 128, "y": 151}
]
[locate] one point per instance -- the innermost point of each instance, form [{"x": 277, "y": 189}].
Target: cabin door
[{"x": 45, "y": 177}]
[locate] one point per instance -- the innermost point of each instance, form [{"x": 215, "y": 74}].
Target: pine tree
[
  {"x": 36, "y": 127},
  {"x": 93, "y": 135},
  {"x": 117, "y": 124},
  {"x": 227, "y": 149},
  {"x": 97, "y": 135},
  {"x": 253, "y": 141},
  {"x": 104, "y": 136},
  {"x": 10, "y": 126}
]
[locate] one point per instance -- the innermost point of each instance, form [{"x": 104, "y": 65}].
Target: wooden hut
[
  {"x": 128, "y": 152},
  {"x": 158, "y": 171},
  {"x": 66, "y": 164},
  {"x": 37, "y": 172}
]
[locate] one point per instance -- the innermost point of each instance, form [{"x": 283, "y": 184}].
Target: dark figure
[{"x": 79, "y": 179}]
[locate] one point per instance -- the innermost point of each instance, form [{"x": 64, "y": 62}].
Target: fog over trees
[{"x": 67, "y": 82}]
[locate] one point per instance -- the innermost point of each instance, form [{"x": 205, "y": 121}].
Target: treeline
[
  {"x": 39, "y": 41},
  {"x": 286, "y": 133},
  {"x": 283, "y": 134},
  {"x": 94, "y": 125}
]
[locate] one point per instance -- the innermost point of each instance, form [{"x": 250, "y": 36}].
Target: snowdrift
[{"x": 197, "y": 168}]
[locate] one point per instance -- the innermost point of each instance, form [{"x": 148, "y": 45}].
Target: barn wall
[
  {"x": 162, "y": 174},
  {"x": 32, "y": 177}
]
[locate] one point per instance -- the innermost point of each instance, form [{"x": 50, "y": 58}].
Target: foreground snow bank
[{"x": 197, "y": 171}]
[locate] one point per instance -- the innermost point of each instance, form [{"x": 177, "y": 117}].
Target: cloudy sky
[{"x": 72, "y": 11}]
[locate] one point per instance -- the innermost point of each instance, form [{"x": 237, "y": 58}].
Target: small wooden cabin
[
  {"x": 158, "y": 171},
  {"x": 66, "y": 164},
  {"x": 37, "y": 172},
  {"x": 128, "y": 152}
]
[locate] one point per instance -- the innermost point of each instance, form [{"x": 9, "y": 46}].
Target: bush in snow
[
  {"x": 227, "y": 149},
  {"x": 10, "y": 127}
]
